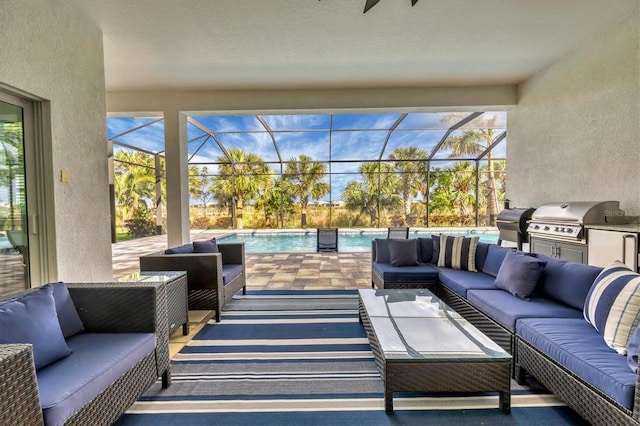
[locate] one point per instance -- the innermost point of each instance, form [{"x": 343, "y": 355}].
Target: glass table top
[
  {"x": 152, "y": 276},
  {"x": 415, "y": 324}
]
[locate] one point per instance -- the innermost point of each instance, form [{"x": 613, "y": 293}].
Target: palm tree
[
  {"x": 200, "y": 186},
  {"x": 409, "y": 174},
  {"x": 242, "y": 176},
  {"x": 305, "y": 176},
  {"x": 275, "y": 200},
  {"x": 379, "y": 188},
  {"x": 475, "y": 142},
  {"x": 463, "y": 189},
  {"x": 133, "y": 190}
]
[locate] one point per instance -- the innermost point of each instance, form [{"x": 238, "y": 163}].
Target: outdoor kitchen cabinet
[
  {"x": 572, "y": 252},
  {"x": 606, "y": 246}
]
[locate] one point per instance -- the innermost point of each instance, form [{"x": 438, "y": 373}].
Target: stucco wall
[
  {"x": 51, "y": 51},
  {"x": 575, "y": 133}
]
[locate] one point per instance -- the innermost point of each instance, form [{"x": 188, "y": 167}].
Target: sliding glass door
[{"x": 14, "y": 241}]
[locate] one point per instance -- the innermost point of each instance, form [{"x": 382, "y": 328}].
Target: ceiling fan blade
[
  {"x": 413, "y": 2},
  {"x": 369, "y": 4}
]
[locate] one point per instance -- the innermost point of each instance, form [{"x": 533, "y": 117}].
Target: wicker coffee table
[{"x": 422, "y": 345}]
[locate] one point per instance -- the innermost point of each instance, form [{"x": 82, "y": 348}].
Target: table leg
[
  {"x": 388, "y": 401},
  {"x": 504, "y": 402},
  {"x": 185, "y": 329}
]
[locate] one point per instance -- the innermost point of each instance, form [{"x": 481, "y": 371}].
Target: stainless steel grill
[{"x": 566, "y": 221}]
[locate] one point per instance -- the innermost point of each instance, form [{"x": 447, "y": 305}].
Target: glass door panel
[{"x": 14, "y": 246}]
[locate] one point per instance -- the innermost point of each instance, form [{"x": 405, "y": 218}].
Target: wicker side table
[{"x": 177, "y": 294}]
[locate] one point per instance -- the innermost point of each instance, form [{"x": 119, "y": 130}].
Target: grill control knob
[
  {"x": 546, "y": 228},
  {"x": 569, "y": 230}
]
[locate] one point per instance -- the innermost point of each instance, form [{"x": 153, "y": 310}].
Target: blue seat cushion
[
  {"x": 230, "y": 271},
  {"x": 98, "y": 359},
  {"x": 460, "y": 281},
  {"x": 575, "y": 344},
  {"x": 419, "y": 273},
  {"x": 566, "y": 282},
  {"x": 506, "y": 309}
]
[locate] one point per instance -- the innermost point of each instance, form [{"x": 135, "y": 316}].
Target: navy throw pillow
[
  {"x": 70, "y": 321},
  {"x": 632, "y": 350},
  {"x": 207, "y": 246},
  {"x": 382, "y": 250},
  {"x": 519, "y": 274},
  {"x": 403, "y": 252},
  {"x": 32, "y": 319},
  {"x": 458, "y": 252},
  {"x": 184, "y": 249}
]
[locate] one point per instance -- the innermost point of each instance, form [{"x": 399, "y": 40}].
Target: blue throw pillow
[
  {"x": 495, "y": 256},
  {"x": 403, "y": 252},
  {"x": 613, "y": 305},
  {"x": 184, "y": 249},
  {"x": 70, "y": 321},
  {"x": 382, "y": 250},
  {"x": 519, "y": 274},
  {"x": 207, "y": 246},
  {"x": 458, "y": 252},
  {"x": 425, "y": 250},
  {"x": 632, "y": 350},
  {"x": 32, "y": 319},
  {"x": 481, "y": 254}
]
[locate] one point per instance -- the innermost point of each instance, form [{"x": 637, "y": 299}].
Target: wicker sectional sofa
[
  {"x": 212, "y": 278},
  {"x": 546, "y": 332},
  {"x": 81, "y": 353}
]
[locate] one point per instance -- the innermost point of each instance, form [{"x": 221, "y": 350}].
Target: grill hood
[{"x": 578, "y": 212}]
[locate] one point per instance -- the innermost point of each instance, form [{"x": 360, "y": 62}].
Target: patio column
[{"x": 175, "y": 139}]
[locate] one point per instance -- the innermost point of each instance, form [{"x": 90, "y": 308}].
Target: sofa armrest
[
  {"x": 232, "y": 253},
  {"x": 127, "y": 307},
  {"x": 19, "y": 399}
]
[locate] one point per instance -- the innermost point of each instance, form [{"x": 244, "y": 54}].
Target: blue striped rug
[{"x": 303, "y": 358}]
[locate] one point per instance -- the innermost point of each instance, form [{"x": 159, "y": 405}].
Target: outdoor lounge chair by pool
[
  {"x": 327, "y": 240},
  {"x": 398, "y": 232}
]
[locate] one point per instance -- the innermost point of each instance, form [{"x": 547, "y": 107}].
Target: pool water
[{"x": 350, "y": 242}]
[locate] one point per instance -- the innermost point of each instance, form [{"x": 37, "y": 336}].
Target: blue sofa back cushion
[
  {"x": 566, "y": 282},
  {"x": 613, "y": 305},
  {"x": 436, "y": 248},
  {"x": 403, "y": 252},
  {"x": 32, "y": 319},
  {"x": 382, "y": 250},
  {"x": 425, "y": 250},
  {"x": 519, "y": 274},
  {"x": 481, "y": 254},
  {"x": 207, "y": 246},
  {"x": 495, "y": 256},
  {"x": 184, "y": 249},
  {"x": 587, "y": 357},
  {"x": 70, "y": 322},
  {"x": 98, "y": 360}
]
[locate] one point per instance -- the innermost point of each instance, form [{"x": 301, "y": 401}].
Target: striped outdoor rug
[{"x": 303, "y": 358}]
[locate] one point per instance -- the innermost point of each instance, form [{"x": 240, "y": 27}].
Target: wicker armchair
[
  {"x": 103, "y": 307},
  {"x": 207, "y": 288}
]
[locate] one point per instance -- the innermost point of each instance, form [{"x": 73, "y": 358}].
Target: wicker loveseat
[
  {"x": 114, "y": 343},
  {"x": 212, "y": 278},
  {"x": 546, "y": 333}
]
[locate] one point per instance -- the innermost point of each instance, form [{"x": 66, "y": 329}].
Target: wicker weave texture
[
  {"x": 19, "y": 400},
  {"x": 587, "y": 401},
  {"x": 377, "y": 281}
]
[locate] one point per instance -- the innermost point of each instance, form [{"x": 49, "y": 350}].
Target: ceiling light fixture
[{"x": 370, "y": 3}]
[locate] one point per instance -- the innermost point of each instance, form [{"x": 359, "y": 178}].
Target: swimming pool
[{"x": 349, "y": 242}]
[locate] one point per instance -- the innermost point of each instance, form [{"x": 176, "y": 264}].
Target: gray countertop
[{"x": 630, "y": 227}]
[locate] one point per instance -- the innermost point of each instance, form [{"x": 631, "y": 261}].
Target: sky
[{"x": 343, "y": 139}]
